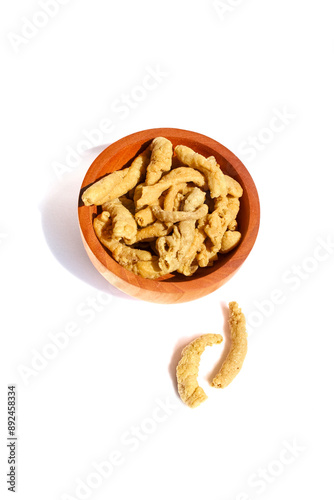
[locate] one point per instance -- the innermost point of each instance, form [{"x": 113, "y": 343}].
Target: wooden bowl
[{"x": 174, "y": 287}]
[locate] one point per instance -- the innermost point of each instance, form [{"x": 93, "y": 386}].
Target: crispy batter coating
[
  {"x": 210, "y": 169},
  {"x": 215, "y": 228},
  {"x": 123, "y": 223},
  {"x": 145, "y": 216},
  {"x": 229, "y": 241},
  {"x": 171, "y": 194},
  {"x": 168, "y": 247},
  {"x": 233, "y": 187},
  {"x": 189, "y": 265},
  {"x": 153, "y": 231},
  {"x": 182, "y": 208},
  {"x": 178, "y": 175},
  {"x": 161, "y": 160},
  {"x": 195, "y": 198},
  {"x": 176, "y": 216},
  {"x": 138, "y": 261},
  {"x": 233, "y": 363},
  {"x": 117, "y": 183},
  {"x": 187, "y": 369},
  {"x": 206, "y": 256}
]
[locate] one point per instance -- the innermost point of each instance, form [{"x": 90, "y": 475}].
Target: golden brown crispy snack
[
  {"x": 187, "y": 369},
  {"x": 145, "y": 216},
  {"x": 173, "y": 249},
  {"x": 229, "y": 241},
  {"x": 171, "y": 194},
  {"x": 190, "y": 264},
  {"x": 153, "y": 231},
  {"x": 215, "y": 228},
  {"x": 233, "y": 187},
  {"x": 178, "y": 175},
  {"x": 176, "y": 216},
  {"x": 222, "y": 218},
  {"x": 194, "y": 199},
  {"x": 161, "y": 160},
  {"x": 186, "y": 226},
  {"x": 168, "y": 247},
  {"x": 233, "y": 363},
  {"x": 123, "y": 224},
  {"x": 206, "y": 256},
  {"x": 117, "y": 183},
  {"x": 139, "y": 262},
  {"x": 209, "y": 168},
  {"x": 233, "y": 206}
]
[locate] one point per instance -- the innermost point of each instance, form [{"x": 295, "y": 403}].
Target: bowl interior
[{"x": 122, "y": 153}]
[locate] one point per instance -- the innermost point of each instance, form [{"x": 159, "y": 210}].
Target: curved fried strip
[
  {"x": 176, "y": 216},
  {"x": 233, "y": 207},
  {"x": 206, "y": 256},
  {"x": 233, "y": 225},
  {"x": 222, "y": 218},
  {"x": 145, "y": 216},
  {"x": 187, "y": 369},
  {"x": 117, "y": 183},
  {"x": 123, "y": 223},
  {"x": 215, "y": 228},
  {"x": 168, "y": 247},
  {"x": 233, "y": 363},
  {"x": 209, "y": 168},
  {"x": 178, "y": 175},
  {"x": 194, "y": 199},
  {"x": 171, "y": 194},
  {"x": 139, "y": 262},
  {"x": 189, "y": 265},
  {"x": 161, "y": 160},
  {"x": 233, "y": 187},
  {"x": 230, "y": 241},
  {"x": 155, "y": 230},
  {"x": 173, "y": 249}
]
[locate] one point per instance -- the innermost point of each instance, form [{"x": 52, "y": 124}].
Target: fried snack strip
[
  {"x": 117, "y": 183},
  {"x": 171, "y": 194},
  {"x": 189, "y": 265},
  {"x": 173, "y": 249},
  {"x": 229, "y": 241},
  {"x": 187, "y": 229},
  {"x": 187, "y": 369},
  {"x": 209, "y": 168},
  {"x": 233, "y": 187},
  {"x": 222, "y": 218},
  {"x": 182, "y": 174},
  {"x": 161, "y": 160},
  {"x": 139, "y": 262},
  {"x": 123, "y": 223},
  {"x": 168, "y": 248},
  {"x": 176, "y": 216},
  {"x": 153, "y": 231},
  {"x": 145, "y": 216},
  {"x": 233, "y": 363}
]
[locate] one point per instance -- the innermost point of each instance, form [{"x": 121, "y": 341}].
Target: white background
[{"x": 226, "y": 75}]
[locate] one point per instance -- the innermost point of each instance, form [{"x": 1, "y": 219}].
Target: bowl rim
[{"x": 239, "y": 254}]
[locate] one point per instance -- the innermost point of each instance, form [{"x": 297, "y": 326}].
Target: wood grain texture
[{"x": 176, "y": 287}]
